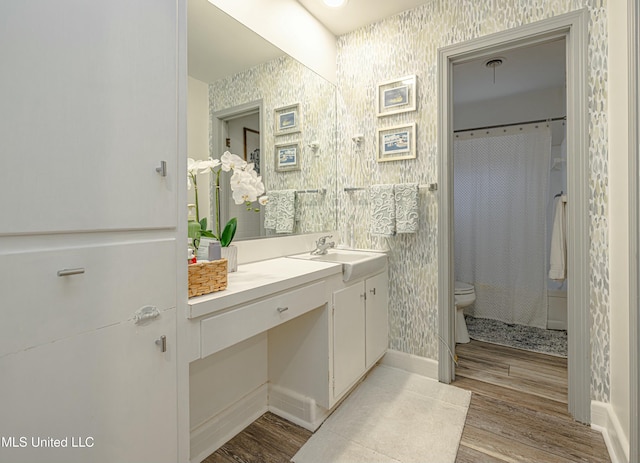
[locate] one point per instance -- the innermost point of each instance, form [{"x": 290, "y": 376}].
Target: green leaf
[
  {"x": 229, "y": 232},
  {"x": 203, "y": 223},
  {"x": 207, "y": 233}
]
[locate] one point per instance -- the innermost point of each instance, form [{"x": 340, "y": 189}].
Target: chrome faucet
[{"x": 322, "y": 245}]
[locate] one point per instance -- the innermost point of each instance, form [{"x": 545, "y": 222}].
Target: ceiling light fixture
[
  {"x": 335, "y": 3},
  {"x": 493, "y": 63}
]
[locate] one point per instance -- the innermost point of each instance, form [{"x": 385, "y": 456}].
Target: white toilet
[{"x": 465, "y": 295}]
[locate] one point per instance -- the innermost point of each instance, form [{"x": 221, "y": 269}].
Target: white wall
[
  {"x": 198, "y": 137},
  {"x": 291, "y": 28},
  {"x": 618, "y": 211},
  {"x": 531, "y": 106}
]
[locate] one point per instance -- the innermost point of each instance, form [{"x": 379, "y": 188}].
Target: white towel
[
  {"x": 382, "y": 209},
  {"x": 270, "y": 210},
  {"x": 280, "y": 211},
  {"x": 406, "y": 201},
  {"x": 286, "y": 211},
  {"x": 558, "y": 255}
]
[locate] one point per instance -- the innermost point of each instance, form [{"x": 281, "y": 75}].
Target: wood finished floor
[
  {"x": 269, "y": 439},
  {"x": 518, "y": 410},
  {"x": 518, "y": 413}
]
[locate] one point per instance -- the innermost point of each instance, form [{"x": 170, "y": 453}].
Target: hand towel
[
  {"x": 270, "y": 210},
  {"x": 558, "y": 255},
  {"x": 406, "y": 202},
  {"x": 286, "y": 211},
  {"x": 382, "y": 210}
]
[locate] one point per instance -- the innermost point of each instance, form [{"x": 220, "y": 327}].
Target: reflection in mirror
[{"x": 273, "y": 110}]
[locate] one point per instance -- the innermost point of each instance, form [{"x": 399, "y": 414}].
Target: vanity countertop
[{"x": 260, "y": 279}]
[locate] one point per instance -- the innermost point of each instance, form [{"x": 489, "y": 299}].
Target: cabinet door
[
  {"x": 348, "y": 337},
  {"x": 89, "y": 110},
  {"x": 107, "y": 395},
  {"x": 377, "y": 322}
]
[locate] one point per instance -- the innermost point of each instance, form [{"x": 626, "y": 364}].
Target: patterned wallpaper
[
  {"x": 407, "y": 44},
  {"x": 283, "y": 82}
]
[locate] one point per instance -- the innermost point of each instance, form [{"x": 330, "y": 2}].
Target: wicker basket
[{"x": 207, "y": 277}]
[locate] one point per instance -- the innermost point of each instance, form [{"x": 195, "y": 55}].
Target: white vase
[{"x": 231, "y": 254}]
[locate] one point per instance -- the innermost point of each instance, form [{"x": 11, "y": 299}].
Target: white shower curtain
[{"x": 500, "y": 198}]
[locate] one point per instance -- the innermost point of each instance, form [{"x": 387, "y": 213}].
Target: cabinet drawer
[
  {"x": 226, "y": 329},
  {"x": 39, "y": 306}
]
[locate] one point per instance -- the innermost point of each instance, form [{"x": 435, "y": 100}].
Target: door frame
[
  {"x": 573, "y": 28},
  {"x": 634, "y": 226}
]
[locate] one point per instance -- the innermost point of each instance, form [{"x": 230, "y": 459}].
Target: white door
[
  {"x": 348, "y": 337},
  {"x": 377, "y": 319},
  {"x": 89, "y": 110}
]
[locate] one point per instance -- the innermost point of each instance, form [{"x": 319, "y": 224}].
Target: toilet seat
[{"x": 463, "y": 288}]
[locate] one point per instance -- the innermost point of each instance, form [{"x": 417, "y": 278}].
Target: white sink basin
[{"x": 355, "y": 264}]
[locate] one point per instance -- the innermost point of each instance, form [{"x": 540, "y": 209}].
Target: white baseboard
[
  {"x": 604, "y": 419},
  {"x": 556, "y": 325},
  {"x": 411, "y": 363},
  {"x": 212, "y": 434},
  {"x": 297, "y": 408}
]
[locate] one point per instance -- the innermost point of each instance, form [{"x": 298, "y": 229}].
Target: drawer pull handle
[
  {"x": 282, "y": 309},
  {"x": 70, "y": 271},
  {"x": 373, "y": 291},
  {"x": 162, "y": 342},
  {"x": 162, "y": 169}
]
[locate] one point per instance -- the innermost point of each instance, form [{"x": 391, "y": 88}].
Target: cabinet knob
[
  {"x": 282, "y": 309},
  {"x": 162, "y": 342},
  {"x": 373, "y": 291}
]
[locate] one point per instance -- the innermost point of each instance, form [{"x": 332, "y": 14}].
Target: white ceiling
[
  {"x": 219, "y": 46},
  {"x": 357, "y": 13},
  {"x": 523, "y": 70}
]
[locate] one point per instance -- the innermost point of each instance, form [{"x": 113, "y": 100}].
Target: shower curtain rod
[{"x": 563, "y": 118}]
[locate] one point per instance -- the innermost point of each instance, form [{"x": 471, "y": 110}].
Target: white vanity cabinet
[
  {"x": 89, "y": 229},
  {"x": 107, "y": 395},
  {"x": 89, "y": 111},
  {"x": 360, "y": 330}
]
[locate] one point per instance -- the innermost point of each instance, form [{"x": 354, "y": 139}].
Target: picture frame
[
  {"x": 287, "y": 156},
  {"x": 252, "y": 147},
  {"x": 288, "y": 119},
  {"x": 396, "y": 96},
  {"x": 397, "y": 143}
]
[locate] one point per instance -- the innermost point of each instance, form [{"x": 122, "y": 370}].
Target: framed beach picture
[
  {"x": 287, "y": 156},
  {"x": 395, "y": 143},
  {"x": 397, "y": 96},
  {"x": 288, "y": 119}
]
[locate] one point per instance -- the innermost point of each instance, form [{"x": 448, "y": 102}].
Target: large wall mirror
[{"x": 248, "y": 97}]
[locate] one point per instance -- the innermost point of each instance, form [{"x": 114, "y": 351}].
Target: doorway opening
[
  {"x": 239, "y": 131},
  {"x": 569, "y": 29}
]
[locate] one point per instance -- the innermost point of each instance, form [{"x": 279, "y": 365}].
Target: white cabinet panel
[
  {"x": 112, "y": 388},
  {"x": 89, "y": 110},
  {"x": 38, "y": 306},
  {"x": 228, "y": 328},
  {"x": 377, "y": 319},
  {"x": 348, "y": 337}
]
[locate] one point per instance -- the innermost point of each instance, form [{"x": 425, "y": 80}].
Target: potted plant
[{"x": 246, "y": 187}]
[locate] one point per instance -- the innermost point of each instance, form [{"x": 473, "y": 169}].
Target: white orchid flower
[
  {"x": 232, "y": 161},
  {"x": 208, "y": 165},
  {"x": 192, "y": 170},
  {"x": 263, "y": 200},
  {"x": 243, "y": 193}
]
